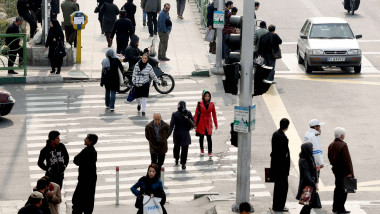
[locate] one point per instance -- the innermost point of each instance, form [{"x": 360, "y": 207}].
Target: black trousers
[
  {"x": 340, "y": 196},
  {"x": 152, "y": 22},
  {"x": 32, "y": 23},
  {"x": 159, "y": 160},
  {"x": 58, "y": 179},
  {"x": 84, "y": 197},
  {"x": 122, "y": 44},
  {"x": 14, "y": 50},
  {"x": 184, "y": 152},
  {"x": 209, "y": 142},
  {"x": 280, "y": 192}
]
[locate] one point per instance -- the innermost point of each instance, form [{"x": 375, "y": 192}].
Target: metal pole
[
  {"x": 117, "y": 185},
  {"x": 218, "y": 69},
  {"x": 201, "y": 7},
  {"x": 79, "y": 46},
  {"x": 245, "y": 99}
]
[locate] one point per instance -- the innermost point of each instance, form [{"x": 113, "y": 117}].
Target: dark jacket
[
  {"x": 210, "y": 14},
  {"x": 100, "y": 14},
  {"x": 30, "y": 209},
  {"x": 86, "y": 160},
  {"x": 56, "y": 33},
  {"x": 268, "y": 42},
  {"x": 155, "y": 147},
  {"x": 180, "y": 124},
  {"x": 153, "y": 6},
  {"x": 130, "y": 9},
  {"x": 308, "y": 170},
  {"x": 56, "y": 159},
  {"x": 111, "y": 79},
  {"x": 55, "y": 6},
  {"x": 340, "y": 158},
  {"x": 68, "y": 7},
  {"x": 110, "y": 11},
  {"x": 123, "y": 28},
  {"x": 132, "y": 53},
  {"x": 23, "y": 8},
  {"x": 13, "y": 29},
  {"x": 280, "y": 156}
]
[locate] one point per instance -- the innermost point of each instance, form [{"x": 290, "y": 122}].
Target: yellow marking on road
[
  {"x": 333, "y": 78},
  {"x": 278, "y": 111}
]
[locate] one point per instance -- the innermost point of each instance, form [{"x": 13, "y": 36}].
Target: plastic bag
[
  {"x": 210, "y": 35},
  {"x": 4, "y": 50},
  {"x": 152, "y": 205},
  {"x": 37, "y": 38}
]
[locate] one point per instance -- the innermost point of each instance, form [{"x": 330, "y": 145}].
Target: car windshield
[{"x": 331, "y": 31}]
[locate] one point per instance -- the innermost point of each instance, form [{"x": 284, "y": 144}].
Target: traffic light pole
[
  {"x": 245, "y": 99},
  {"x": 218, "y": 69}
]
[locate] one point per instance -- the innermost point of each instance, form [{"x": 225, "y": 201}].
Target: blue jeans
[
  {"x": 144, "y": 16},
  {"x": 110, "y": 98}
]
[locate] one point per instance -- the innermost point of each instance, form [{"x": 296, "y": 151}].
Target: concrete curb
[{"x": 44, "y": 79}]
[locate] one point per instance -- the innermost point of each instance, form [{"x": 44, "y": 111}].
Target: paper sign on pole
[
  {"x": 218, "y": 19},
  {"x": 241, "y": 119}
]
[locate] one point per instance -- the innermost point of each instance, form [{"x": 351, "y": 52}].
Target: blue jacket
[{"x": 164, "y": 23}]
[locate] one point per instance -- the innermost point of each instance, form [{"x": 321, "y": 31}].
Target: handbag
[
  {"x": 198, "y": 117},
  {"x": 60, "y": 50},
  {"x": 121, "y": 77},
  {"x": 151, "y": 205},
  {"x": 131, "y": 95},
  {"x": 139, "y": 201},
  {"x": 267, "y": 175},
  {"x": 209, "y": 35},
  {"x": 306, "y": 195},
  {"x": 4, "y": 50},
  {"x": 350, "y": 184}
]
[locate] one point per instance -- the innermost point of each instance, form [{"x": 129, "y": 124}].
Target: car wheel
[
  {"x": 300, "y": 60},
  {"x": 308, "y": 68},
  {"x": 357, "y": 69}
]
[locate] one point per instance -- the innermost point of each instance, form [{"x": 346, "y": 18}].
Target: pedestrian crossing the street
[{"x": 122, "y": 143}]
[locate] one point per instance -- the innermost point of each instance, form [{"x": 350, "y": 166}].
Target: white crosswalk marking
[{"x": 122, "y": 143}]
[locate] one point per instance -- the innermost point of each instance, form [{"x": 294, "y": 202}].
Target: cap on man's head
[
  {"x": 314, "y": 122},
  {"x": 36, "y": 195},
  {"x": 263, "y": 24}
]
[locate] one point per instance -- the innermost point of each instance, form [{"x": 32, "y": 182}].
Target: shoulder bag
[
  {"x": 276, "y": 53},
  {"x": 60, "y": 50},
  {"x": 131, "y": 95}
]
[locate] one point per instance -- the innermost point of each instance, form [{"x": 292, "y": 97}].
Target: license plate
[{"x": 336, "y": 59}]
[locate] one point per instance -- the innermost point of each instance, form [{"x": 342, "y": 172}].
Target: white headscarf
[{"x": 106, "y": 62}]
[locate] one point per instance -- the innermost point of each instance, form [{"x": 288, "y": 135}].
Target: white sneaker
[{"x": 112, "y": 109}]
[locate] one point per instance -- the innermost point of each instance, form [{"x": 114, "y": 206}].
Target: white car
[{"x": 328, "y": 41}]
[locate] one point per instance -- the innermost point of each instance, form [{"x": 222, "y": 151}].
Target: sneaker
[
  {"x": 143, "y": 113},
  {"x": 183, "y": 166},
  {"x": 138, "y": 107},
  {"x": 112, "y": 109},
  {"x": 144, "y": 24},
  {"x": 209, "y": 154},
  {"x": 202, "y": 153},
  {"x": 107, "y": 107}
]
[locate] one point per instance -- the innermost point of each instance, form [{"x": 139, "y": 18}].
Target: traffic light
[
  {"x": 261, "y": 86},
  {"x": 234, "y": 136},
  {"x": 234, "y": 40}
]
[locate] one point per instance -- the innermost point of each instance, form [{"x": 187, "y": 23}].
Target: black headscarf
[
  {"x": 150, "y": 181},
  {"x": 142, "y": 65},
  {"x": 182, "y": 108},
  {"x": 203, "y": 98},
  {"x": 56, "y": 29},
  {"x": 307, "y": 153}
]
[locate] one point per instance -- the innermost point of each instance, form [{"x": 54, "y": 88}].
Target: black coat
[
  {"x": 56, "y": 158},
  {"x": 268, "y": 42},
  {"x": 57, "y": 34},
  {"x": 132, "y": 53},
  {"x": 100, "y": 14},
  {"x": 210, "y": 14},
  {"x": 130, "y": 9},
  {"x": 86, "y": 160},
  {"x": 123, "y": 28},
  {"x": 111, "y": 79},
  {"x": 55, "y": 6},
  {"x": 23, "y": 8},
  {"x": 180, "y": 124},
  {"x": 110, "y": 11},
  {"x": 280, "y": 156},
  {"x": 308, "y": 176},
  {"x": 13, "y": 29},
  {"x": 30, "y": 209}
]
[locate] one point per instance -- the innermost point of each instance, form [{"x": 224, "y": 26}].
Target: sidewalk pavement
[{"x": 187, "y": 50}]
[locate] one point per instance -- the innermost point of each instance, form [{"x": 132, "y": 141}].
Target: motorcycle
[
  {"x": 167, "y": 81},
  {"x": 351, "y": 5}
]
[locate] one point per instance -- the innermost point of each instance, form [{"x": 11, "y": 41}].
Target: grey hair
[{"x": 339, "y": 131}]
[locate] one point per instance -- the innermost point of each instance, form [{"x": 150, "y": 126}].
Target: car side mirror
[
  {"x": 303, "y": 37},
  {"x": 358, "y": 36}
]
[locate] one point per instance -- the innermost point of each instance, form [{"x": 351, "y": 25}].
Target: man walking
[
  {"x": 280, "y": 165},
  {"x": 84, "y": 195},
  {"x": 314, "y": 136},
  {"x": 152, "y": 8},
  {"x": 123, "y": 28},
  {"x": 14, "y": 44},
  {"x": 340, "y": 159},
  {"x": 157, "y": 133},
  {"x": 68, "y": 7},
  {"x": 164, "y": 28},
  {"x": 210, "y": 19},
  {"x": 258, "y": 34},
  {"x": 56, "y": 157}
]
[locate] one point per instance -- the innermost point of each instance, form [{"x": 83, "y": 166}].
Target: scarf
[
  {"x": 106, "y": 63},
  {"x": 142, "y": 65}
]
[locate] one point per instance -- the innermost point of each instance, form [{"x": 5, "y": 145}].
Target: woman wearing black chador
[{"x": 55, "y": 36}]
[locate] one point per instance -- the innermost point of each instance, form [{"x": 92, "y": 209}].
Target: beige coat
[{"x": 56, "y": 199}]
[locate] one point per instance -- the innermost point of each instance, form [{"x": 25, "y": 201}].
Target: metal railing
[
  {"x": 6, "y": 52},
  {"x": 202, "y": 7}
]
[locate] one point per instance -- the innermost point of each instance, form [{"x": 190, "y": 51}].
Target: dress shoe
[
  {"x": 183, "y": 166},
  {"x": 58, "y": 71},
  {"x": 164, "y": 59},
  {"x": 144, "y": 24},
  {"x": 281, "y": 210},
  {"x": 344, "y": 211},
  {"x": 151, "y": 35},
  {"x": 138, "y": 107},
  {"x": 12, "y": 72},
  {"x": 176, "y": 162},
  {"x": 52, "y": 71},
  {"x": 143, "y": 113},
  {"x": 155, "y": 33}
]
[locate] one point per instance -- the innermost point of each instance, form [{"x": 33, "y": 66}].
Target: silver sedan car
[{"x": 328, "y": 41}]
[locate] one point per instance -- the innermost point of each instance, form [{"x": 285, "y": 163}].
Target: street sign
[
  {"x": 252, "y": 119},
  {"x": 79, "y": 21},
  {"x": 218, "y": 19},
  {"x": 241, "y": 118}
]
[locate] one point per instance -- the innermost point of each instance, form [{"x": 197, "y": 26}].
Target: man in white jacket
[{"x": 314, "y": 136}]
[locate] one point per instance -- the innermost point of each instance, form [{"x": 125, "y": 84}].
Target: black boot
[
  {"x": 58, "y": 70},
  {"x": 52, "y": 70}
]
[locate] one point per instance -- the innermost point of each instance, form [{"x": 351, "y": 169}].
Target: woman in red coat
[{"x": 203, "y": 120}]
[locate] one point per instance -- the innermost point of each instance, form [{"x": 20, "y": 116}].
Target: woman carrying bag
[
  {"x": 308, "y": 178},
  {"x": 110, "y": 77},
  {"x": 55, "y": 39},
  {"x": 149, "y": 185},
  {"x": 203, "y": 121},
  {"x": 182, "y": 122},
  {"x": 140, "y": 80}
]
